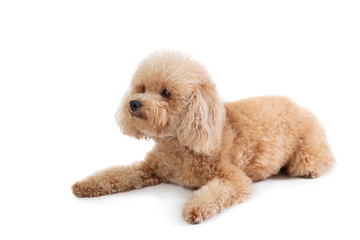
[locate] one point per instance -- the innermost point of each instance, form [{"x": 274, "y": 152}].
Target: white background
[{"x": 64, "y": 66}]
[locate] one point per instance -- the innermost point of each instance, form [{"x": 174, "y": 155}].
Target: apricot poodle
[{"x": 216, "y": 148}]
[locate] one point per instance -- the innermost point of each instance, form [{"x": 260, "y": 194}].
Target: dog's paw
[
  {"x": 196, "y": 214},
  {"x": 77, "y": 190},
  {"x": 84, "y": 189},
  {"x": 312, "y": 174}
]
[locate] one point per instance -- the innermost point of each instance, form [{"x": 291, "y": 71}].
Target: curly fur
[{"x": 202, "y": 143}]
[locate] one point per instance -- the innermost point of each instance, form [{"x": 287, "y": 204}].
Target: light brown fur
[{"x": 202, "y": 143}]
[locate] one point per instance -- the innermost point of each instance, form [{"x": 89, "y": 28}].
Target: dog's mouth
[{"x": 137, "y": 114}]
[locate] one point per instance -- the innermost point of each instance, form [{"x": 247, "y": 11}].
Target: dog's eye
[
  {"x": 165, "y": 93},
  {"x": 143, "y": 90}
]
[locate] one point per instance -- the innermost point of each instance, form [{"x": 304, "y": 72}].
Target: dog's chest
[{"x": 186, "y": 170}]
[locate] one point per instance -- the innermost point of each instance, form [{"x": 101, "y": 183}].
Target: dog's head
[{"x": 172, "y": 96}]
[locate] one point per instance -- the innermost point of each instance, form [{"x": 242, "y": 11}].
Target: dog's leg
[
  {"x": 313, "y": 157},
  {"x": 116, "y": 179},
  {"x": 216, "y": 195}
]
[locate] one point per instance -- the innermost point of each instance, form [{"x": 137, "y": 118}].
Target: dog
[{"x": 217, "y": 149}]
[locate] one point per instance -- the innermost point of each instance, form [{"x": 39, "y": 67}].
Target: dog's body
[{"x": 201, "y": 143}]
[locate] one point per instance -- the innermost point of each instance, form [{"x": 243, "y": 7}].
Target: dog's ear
[{"x": 201, "y": 128}]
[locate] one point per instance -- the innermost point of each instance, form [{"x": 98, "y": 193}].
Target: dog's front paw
[
  {"x": 195, "y": 214},
  {"x": 78, "y": 190},
  {"x": 86, "y": 189}
]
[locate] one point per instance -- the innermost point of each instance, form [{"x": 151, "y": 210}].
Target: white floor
[{"x": 279, "y": 208}]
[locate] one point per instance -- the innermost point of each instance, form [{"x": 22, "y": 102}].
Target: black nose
[{"x": 135, "y": 105}]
